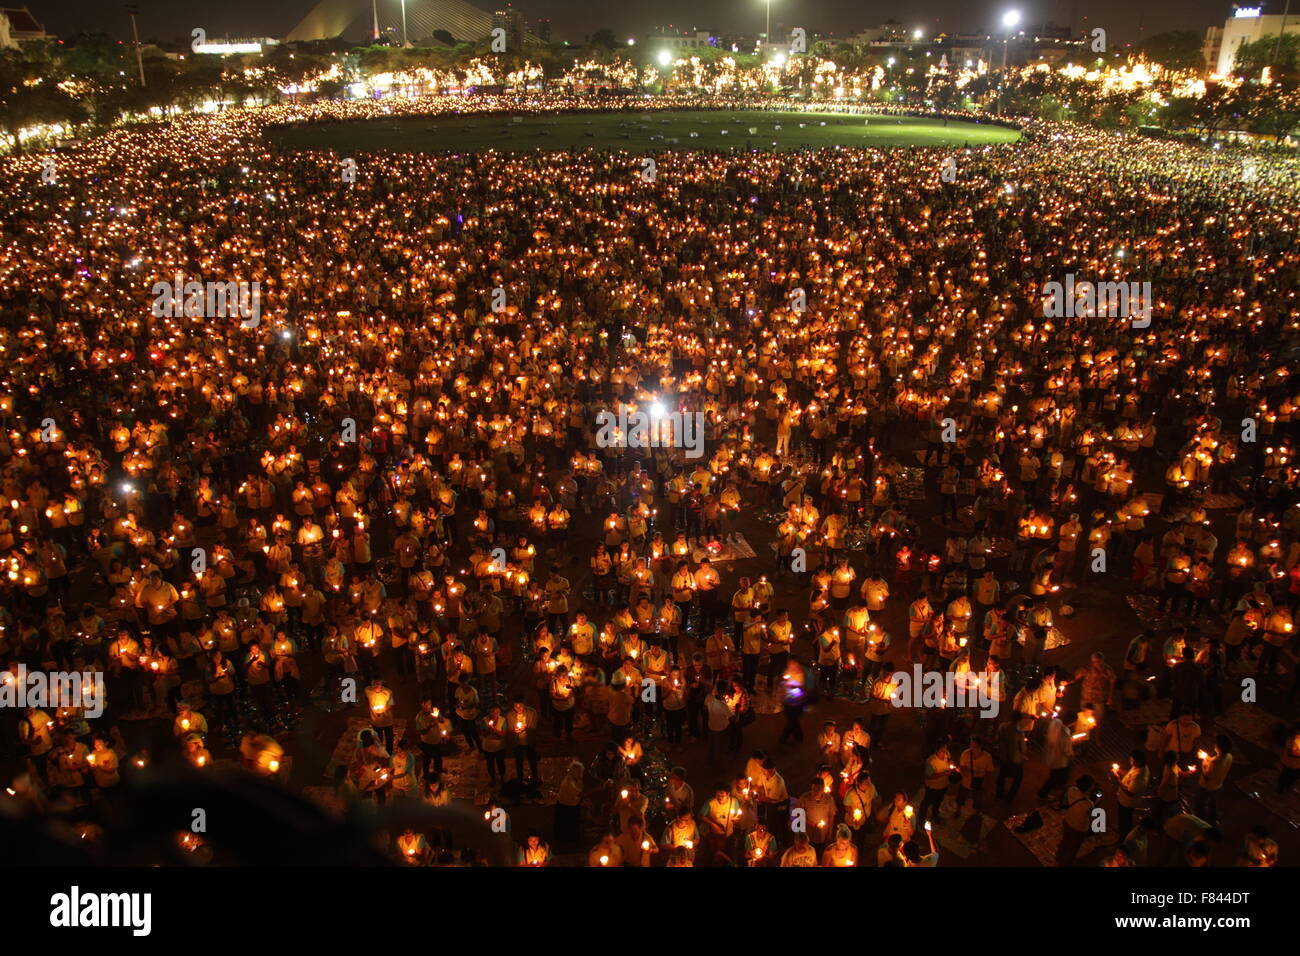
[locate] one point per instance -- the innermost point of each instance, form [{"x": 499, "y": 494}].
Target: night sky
[{"x": 1124, "y": 20}]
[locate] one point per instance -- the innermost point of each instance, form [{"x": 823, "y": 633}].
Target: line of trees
[{"x": 91, "y": 79}]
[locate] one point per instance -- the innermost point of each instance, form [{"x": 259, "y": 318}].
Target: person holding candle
[
  {"x": 912, "y": 856},
  {"x": 522, "y": 723},
  {"x": 434, "y": 729},
  {"x": 1213, "y": 772},
  {"x": 636, "y": 844},
  {"x": 103, "y": 763},
  {"x": 819, "y": 812},
  {"x": 682, "y": 833},
  {"x": 467, "y": 706},
  {"x": 381, "y": 702},
  {"x": 607, "y": 852},
  {"x": 939, "y": 770},
  {"x": 1057, "y": 754},
  {"x": 1278, "y": 634},
  {"x": 413, "y": 849},
  {"x": 221, "y": 688},
  {"x": 557, "y": 591},
  {"x": 974, "y": 764},
  {"x": 493, "y": 730},
  {"x": 406, "y": 770},
  {"x": 772, "y": 797},
  {"x": 720, "y": 816},
  {"x": 535, "y": 851},
  {"x": 842, "y": 851},
  {"x": 1131, "y": 786}
]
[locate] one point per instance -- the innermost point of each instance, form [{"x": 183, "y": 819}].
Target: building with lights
[
  {"x": 1045, "y": 43},
  {"x": 228, "y": 46},
  {"x": 512, "y": 21},
  {"x": 680, "y": 42},
  {"x": 1246, "y": 25}
]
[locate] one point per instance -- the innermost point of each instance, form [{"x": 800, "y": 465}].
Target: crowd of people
[{"x": 385, "y": 501}]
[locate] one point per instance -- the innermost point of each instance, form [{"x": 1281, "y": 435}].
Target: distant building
[
  {"x": 227, "y": 46},
  {"x": 543, "y": 29},
  {"x": 887, "y": 34},
  {"x": 512, "y": 21},
  {"x": 1210, "y": 48},
  {"x": 1246, "y": 25},
  {"x": 18, "y": 26},
  {"x": 1044, "y": 43},
  {"x": 680, "y": 41}
]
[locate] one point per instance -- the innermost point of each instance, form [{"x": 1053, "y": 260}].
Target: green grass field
[{"x": 639, "y": 132}]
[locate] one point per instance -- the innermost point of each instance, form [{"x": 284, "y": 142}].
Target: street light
[
  {"x": 917, "y": 34},
  {"x": 131, "y": 11},
  {"x": 767, "y": 31},
  {"x": 1009, "y": 21},
  {"x": 403, "y": 24},
  {"x": 664, "y": 57}
]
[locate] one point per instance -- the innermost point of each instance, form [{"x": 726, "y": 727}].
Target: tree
[
  {"x": 1175, "y": 50},
  {"x": 605, "y": 38},
  {"x": 1269, "y": 110},
  {"x": 30, "y": 95},
  {"x": 1051, "y": 108},
  {"x": 444, "y": 36},
  {"x": 1252, "y": 57}
]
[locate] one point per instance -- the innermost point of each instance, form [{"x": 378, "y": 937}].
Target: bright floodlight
[
  {"x": 1010, "y": 18},
  {"x": 127, "y": 488},
  {"x": 631, "y": 41},
  {"x": 657, "y": 409},
  {"x": 778, "y": 59},
  {"x": 917, "y": 34},
  {"x": 665, "y": 57},
  {"x": 891, "y": 61}
]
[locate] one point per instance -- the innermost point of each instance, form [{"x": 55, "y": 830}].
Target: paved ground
[{"x": 1103, "y": 620}]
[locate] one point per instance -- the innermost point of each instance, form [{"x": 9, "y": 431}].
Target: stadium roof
[{"x": 330, "y": 18}]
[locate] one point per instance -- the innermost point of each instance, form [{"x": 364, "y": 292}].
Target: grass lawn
[{"x": 639, "y": 132}]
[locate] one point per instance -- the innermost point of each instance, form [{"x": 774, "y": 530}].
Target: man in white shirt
[{"x": 718, "y": 713}]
